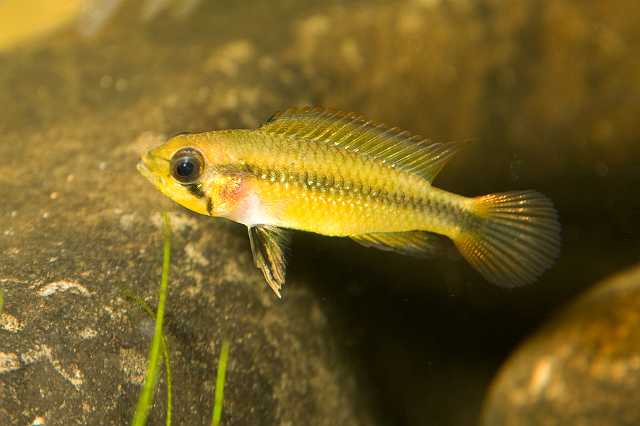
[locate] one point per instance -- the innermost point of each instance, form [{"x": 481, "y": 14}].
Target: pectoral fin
[
  {"x": 412, "y": 243},
  {"x": 269, "y": 244}
]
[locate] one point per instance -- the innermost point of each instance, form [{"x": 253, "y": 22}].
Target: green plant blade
[
  {"x": 145, "y": 399},
  {"x": 220, "y": 379},
  {"x": 167, "y": 366},
  {"x": 128, "y": 294}
]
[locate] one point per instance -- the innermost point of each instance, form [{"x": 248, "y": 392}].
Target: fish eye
[{"x": 187, "y": 165}]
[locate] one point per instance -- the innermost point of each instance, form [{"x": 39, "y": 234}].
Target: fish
[{"x": 339, "y": 174}]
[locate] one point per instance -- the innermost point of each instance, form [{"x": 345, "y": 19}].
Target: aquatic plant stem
[
  {"x": 1, "y": 301},
  {"x": 167, "y": 367},
  {"x": 220, "y": 379},
  {"x": 165, "y": 350},
  {"x": 145, "y": 400}
]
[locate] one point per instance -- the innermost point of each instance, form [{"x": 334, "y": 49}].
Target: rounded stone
[{"x": 582, "y": 368}]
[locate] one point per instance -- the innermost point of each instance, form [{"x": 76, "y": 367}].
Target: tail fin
[{"x": 517, "y": 237}]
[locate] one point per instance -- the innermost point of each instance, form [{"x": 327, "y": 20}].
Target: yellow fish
[{"x": 339, "y": 174}]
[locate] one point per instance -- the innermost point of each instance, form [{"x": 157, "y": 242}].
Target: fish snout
[{"x": 153, "y": 168}]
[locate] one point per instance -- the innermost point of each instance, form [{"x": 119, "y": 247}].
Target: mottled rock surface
[
  {"x": 549, "y": 89},
  {"x": 79, "y": 235},
  {"x": 582, "y": 368},
  {"x": 74, "y": 345}
]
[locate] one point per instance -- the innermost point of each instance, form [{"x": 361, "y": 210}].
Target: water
[{"x": 548, "y": 89}]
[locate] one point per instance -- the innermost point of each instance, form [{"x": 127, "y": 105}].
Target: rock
[
  {"x": 582, "y": 368},
  {"x": 79, "y": 234}
]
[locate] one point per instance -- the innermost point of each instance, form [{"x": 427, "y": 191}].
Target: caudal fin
[{"x": 516, "y": 237}]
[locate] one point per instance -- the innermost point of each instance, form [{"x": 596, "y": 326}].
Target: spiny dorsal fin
[
  {"x": 268, "y": 245},
  {"x": 412, "y": 243},
  {"x": 352, "y": 132}
]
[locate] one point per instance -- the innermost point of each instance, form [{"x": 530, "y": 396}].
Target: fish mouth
[
  {"x": 150, "y": 166},
  {"x": 143, "y": 169}
]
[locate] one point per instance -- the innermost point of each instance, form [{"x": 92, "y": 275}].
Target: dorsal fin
[{"x": 352, "y": 132}]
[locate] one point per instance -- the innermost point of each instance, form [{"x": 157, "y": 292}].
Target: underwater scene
[{"x": 407, "y": 212}]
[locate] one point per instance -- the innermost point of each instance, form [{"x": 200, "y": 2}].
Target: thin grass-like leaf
[
  {"x": 145, "y": 400},
  {"x": 220, "y": 379},
  {"x": 165, "y": 350},
  {"x": 167, "y": 367}
]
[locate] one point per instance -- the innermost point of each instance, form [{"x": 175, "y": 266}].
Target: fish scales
[
  {"x": 362, "y": 197},
  {"x": 339, "y": 174}
]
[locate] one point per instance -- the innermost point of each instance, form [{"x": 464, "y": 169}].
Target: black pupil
[{"x": 186, "y": 167}]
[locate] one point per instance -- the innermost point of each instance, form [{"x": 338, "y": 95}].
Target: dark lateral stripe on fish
[
  {"x": 313, "y": 182},
  {"x": 196, "y": 189},
  {"x": 209, "y": 205}
]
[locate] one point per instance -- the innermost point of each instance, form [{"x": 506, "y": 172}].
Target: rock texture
[
  {"x": 582, "y": 368},
  {"x": 79, "y": 236}
]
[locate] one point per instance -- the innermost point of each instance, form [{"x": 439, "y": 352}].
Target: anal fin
[
  {"x": 268, "y": 245},
  {"x": 411, "y": 243}
]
